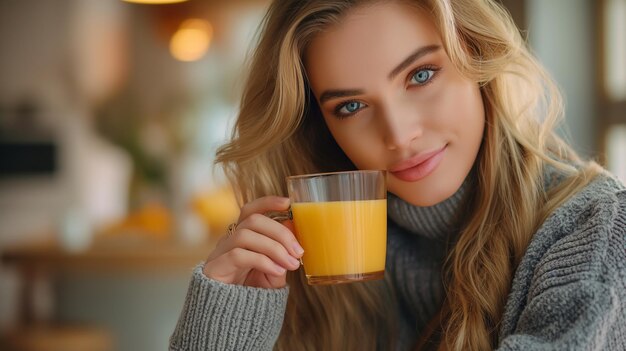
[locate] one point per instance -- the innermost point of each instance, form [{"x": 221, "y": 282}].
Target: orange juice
[{"x": 342, "y": 240}]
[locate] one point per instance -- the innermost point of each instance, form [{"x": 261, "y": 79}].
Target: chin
[{"x": 425, "y": 194}]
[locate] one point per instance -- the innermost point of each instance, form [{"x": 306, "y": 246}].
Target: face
[{"x": 392, "y": 100}]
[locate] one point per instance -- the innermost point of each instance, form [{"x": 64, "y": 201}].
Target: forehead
[{"x": 370, "y": 39}]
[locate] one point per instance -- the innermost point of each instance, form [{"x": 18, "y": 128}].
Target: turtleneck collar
[
  {"x": 440, "y": 221},
  {"x": 434, "y": 222}
]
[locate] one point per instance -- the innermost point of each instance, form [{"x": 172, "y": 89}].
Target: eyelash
[
  {"x": 435, "y": 70},
  {"x": 435, "y": 73},
  {"x": 342, "y": 115}
]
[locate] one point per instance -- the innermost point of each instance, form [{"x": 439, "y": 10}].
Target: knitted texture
[
  {"x": 568, "y": 293},
  {"x": 434, "y": 222},
  {"x": 218, "y": 316}
]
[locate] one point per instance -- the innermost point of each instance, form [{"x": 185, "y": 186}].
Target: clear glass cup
[{"x": 341, "y": 222}]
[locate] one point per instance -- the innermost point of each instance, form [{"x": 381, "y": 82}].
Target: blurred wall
[
  {"x": 562, "y": 34},
  {"x": 33, "y": 52},
  {"x": 140, "y": 310},
  {"x": 48, "y": 56}
]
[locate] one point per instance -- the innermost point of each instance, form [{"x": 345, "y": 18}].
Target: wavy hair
[{"x": 280, "y": 132}]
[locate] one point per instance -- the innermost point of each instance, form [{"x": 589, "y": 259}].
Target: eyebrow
[{"x": 416, "y": 55}]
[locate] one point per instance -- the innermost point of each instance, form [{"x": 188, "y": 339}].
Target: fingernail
[
  {"x": 298, "y": 249},
  {"x": 294, "y": 262}
]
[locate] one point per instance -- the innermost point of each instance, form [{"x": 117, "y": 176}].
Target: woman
[{"x": 499, "y": 235}]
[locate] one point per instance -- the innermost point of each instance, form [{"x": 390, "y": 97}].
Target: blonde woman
[{"x": 499, "y": 236}]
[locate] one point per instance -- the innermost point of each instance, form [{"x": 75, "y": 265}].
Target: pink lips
[{"x": 419, "y": 166}]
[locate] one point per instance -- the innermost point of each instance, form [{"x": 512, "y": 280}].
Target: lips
[{"x": 419, "y": 166}]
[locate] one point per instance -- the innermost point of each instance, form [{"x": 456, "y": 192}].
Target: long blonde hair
[{"x": 280, "y": 132}]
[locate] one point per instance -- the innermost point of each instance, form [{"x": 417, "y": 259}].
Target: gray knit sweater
[{"x": 568, "y": 293}]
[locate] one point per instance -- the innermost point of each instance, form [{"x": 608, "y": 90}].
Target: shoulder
[
  {"x": 597, "y": 207},
  {"x": 584, "y": 239},
  {"x": 579, "y": 249}
]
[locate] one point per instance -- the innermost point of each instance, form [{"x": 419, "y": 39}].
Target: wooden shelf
[
  {"x": 57, "y": 337},
  {"x": 117, "y": 255},
  {"x": 50, "y": 256}
]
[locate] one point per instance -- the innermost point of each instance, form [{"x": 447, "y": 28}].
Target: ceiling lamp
[{"x": 192, "y": 40}]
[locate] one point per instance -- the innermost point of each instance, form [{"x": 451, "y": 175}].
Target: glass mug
[{"x": 340, "y": 220}]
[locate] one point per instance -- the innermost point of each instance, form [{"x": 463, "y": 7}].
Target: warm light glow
[
  {"x": 154, "y": 1},
  {"x": 192, "y": 40}
]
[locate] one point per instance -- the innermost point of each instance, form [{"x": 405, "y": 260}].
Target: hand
[{"x": 260, "y": 250}]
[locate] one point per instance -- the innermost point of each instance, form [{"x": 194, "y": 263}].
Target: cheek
[
  {"x": 475, "y": 114},
  {"x": 461, "y": 111},
  {"x": 467, "y": 121}
]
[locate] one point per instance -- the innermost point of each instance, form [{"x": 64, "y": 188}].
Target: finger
[
  {"x": 279, "y": 232},
  {"x": 277, "y": 281},
  {"x": 260, "y": 243},
  {"x": 264, "y": 204},
  {"x": 228, "y": 265},
  {"x": 276, "y": 231},
  {"x": 289, "y": 224},
  {"x": 221, "y": 247}
]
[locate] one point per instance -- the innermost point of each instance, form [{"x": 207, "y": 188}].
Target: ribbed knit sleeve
[
  {"x": 582, "y": 315},
  {"x": 569, "y": 292},
  {"x": 218, "y": 316}
]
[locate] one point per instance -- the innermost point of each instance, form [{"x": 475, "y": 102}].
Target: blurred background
[{"x": 110, "y": 115}]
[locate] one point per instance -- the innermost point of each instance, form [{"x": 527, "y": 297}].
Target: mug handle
[{"x": 280, "y": 216}]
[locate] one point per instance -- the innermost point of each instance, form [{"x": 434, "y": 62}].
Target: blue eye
[
  {"x": 349, "y": 108},
  {"x": 422, "y": 76}
]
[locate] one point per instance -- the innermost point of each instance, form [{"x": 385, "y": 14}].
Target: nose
[{"x": 400, "y": 127}]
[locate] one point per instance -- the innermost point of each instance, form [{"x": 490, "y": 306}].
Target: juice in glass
[{"x": 343, "y": 240}]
